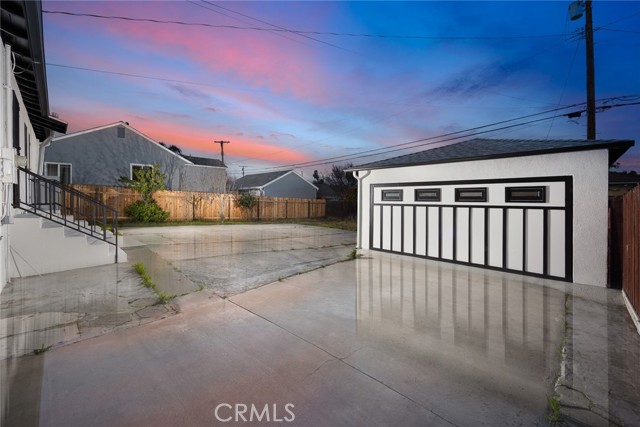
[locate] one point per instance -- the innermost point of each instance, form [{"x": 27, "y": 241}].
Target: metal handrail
[{"x": 66, "y": 206}]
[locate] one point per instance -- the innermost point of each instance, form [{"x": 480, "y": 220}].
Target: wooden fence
[
  {"x": 631, "y": 247},
  {"x": 192, "y": 206}
]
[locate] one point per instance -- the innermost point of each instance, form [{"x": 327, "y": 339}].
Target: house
[
  {"x": 532, "y": 207},
  {"x": 29, "y": 243},
  {"x": 287, "y": 183},
  {"x": 101, "y": 155}
]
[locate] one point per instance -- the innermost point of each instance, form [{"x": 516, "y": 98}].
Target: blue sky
[{"x": 305, "y": 100}]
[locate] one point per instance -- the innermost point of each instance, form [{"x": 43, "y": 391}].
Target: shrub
[
  {"x": 146, "y": 211},
  {"x": 247, "y": 202}
]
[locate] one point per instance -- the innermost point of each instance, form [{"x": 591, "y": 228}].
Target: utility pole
[
  {"x": 576, "y": 10},
  {"x": 222, "y": 147},
  {"x": 591, "y": 83}
]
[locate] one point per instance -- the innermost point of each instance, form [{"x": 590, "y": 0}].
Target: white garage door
[{"x": 519, "y": 225}]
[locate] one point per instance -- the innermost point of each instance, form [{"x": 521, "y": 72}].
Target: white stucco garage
[{"x": 534, "y": 207}]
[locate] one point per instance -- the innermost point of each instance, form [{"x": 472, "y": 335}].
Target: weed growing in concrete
[
  {"x": 144, "y": 276},
  {"x": 42, "y": 349},
  {"x": 554, "y": 408},
  {"x": 164, "y": 298},
  {"x": 200, "y": 286},
  {"x": 161, "y": 297},
  {"x": 353, "y": 254}
]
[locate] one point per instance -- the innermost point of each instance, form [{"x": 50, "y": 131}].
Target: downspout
[
  {"x": 357, "y": 175},
  {"x": 43, "y": 145}
]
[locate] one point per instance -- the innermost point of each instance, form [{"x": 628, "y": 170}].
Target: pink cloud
[{"x": 258, "y": 58}]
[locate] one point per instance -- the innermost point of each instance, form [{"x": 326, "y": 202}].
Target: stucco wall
[
  {"x": 589, "y": 170},
  {"x": 29, "y": 146},
  {"x": 291, "y": 185}
]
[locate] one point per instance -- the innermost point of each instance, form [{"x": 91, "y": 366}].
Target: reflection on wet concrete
[
  {"x": 508, "y": 330},
  {"x": 231, "y": 259}
]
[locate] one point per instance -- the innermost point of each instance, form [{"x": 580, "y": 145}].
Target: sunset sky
[{"x": 269, "y": 77}]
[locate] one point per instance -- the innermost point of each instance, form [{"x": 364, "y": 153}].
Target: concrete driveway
[
  {"x": 382, "y": 340},
  {"x": 230, "y": 259}
]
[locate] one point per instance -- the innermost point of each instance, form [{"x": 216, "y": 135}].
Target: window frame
[
  {"x": 385, "y": 195},
  {"x": 459, "y": 197},
  {"x": 437, "y": 195},
  {"x": 58, "y": 176},
  {"x": 541, "y": 198},
  {"x": 139, "y": 165}
]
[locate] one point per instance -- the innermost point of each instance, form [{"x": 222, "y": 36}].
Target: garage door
[{"x": 519, "y": 225}]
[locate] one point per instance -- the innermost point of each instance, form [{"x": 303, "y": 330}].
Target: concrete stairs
[{"x": 39, "y": 246}]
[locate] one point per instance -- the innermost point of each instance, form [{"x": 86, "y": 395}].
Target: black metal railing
[{"x": 65, "y": 206}]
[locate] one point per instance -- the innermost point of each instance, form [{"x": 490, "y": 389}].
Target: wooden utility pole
[
  {"x": 591, "y": 83},
  {"x": 222, "y": 147}
]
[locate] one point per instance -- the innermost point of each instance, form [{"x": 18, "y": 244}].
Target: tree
[
  {"x": 172, "y": 147},
  {"x": 317, "y": 179},
  {"x": 146, "y": 182},
  {"x": 341, "y": 182}
]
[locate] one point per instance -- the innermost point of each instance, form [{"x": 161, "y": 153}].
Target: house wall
[
  {"x": 203, "y": 178},
  {"x": 100, "y": 157},
  {"x": 290, "y": 185},
  {"x": 589, "y": 171},
  {"x": 29, "y": 146}
]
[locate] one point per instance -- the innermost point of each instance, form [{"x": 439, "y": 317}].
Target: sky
[{"x": 305, "y": 85}]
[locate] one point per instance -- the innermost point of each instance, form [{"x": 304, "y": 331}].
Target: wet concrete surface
[
  {"x": 382, "y": 340},
  {"x": 231, "y": 259}
]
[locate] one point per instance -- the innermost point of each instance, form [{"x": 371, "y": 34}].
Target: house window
[
  {"x": 526, "y": 194},
  {"x": 60, "y": 172},
  {"x": 427, "y": 195},
  {"x": 134, "y": 168},
  {"x": 392, "y": 195},
  {"x": 471, "y": 194},
  {"x": 16, "y": 123},
  {"x": 120, "y": 132}
]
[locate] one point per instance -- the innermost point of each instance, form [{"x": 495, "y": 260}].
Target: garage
[{"x": 532, "y": 207}]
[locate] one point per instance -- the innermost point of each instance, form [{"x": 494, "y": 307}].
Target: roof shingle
[{"x": 481, "y": 149}]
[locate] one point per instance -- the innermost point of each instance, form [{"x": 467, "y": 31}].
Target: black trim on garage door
[{"x": 459, "y": 230}]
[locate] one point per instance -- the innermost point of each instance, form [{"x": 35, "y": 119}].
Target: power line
[
  {"x": 302, "y": 32},
  {"x": 447, "y": 137},
  {"x": 273, "y": 25},
  {"x": 138, "y": 76}
]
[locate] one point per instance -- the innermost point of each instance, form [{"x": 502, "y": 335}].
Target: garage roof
[
  {"x": 483, "y": 149},
  {"x": 21, "y": 27}
]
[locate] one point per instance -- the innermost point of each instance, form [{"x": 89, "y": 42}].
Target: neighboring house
[
  {"x": 531, "y": 207},
  {"x": 100, "y": 156},
  {"x": 277, "y": 184},
  {"x": 621, "y": 182}
]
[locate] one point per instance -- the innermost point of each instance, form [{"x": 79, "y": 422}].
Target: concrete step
[{"x": 40, "y": 246}]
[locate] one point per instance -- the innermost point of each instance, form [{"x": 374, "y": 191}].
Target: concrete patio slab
[{"x": 382, "y": 340}]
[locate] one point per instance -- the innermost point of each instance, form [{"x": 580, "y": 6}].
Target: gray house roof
[
  {"x": 481, "y": 149},
  {"x": 204, "y": 161},
  {"x": 259, "y": 180}
]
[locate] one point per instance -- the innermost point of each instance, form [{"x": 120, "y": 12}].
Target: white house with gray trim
[
  {"x": 101, "y": 155},
  {"x": 287, "y": 183},
  {"x": 533, "y": 207}
]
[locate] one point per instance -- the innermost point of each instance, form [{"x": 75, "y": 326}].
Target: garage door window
[
  {"x": 525, "y": 194},
  {"x": 392, "y": 195},
  {"x": 471, "y": 194},
  {"x": 427, "y": 195}
]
